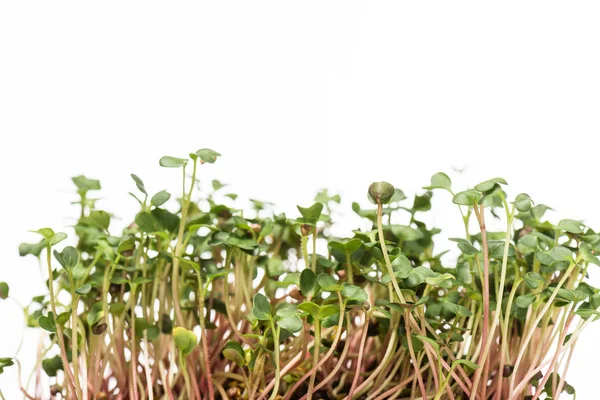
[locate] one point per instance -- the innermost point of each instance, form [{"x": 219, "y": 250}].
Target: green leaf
[
  {"x": 406, "y": 233},
  {"x": 160, "y": 198},
  {"x": 146, "y": 222},
  {"x": 208, "y": 155},
  {"x": 46, "y": 233},
  {"x": 436, "y": 280},
  {"x": 34, "y": 249},
  {"x": 418, "y": 275},
  {"x": 571, "y": 226},
  {"x": 538, "y": 211},
  {"x": 522, "y": 202},
  {"x": 381, "y": 191},
  {"x": 262, "y": 307},
  {"x": 275, "y": 266},
  {"x": 85, "y": 289},
  {"x": 52, "y": 365},
  {"x": 172, "y": 162},
  {"x": 308, "y": 283},
  {"x": 84, "y": 184},
  {"x": 328, "y": 283},
  {"x": 291, "y": 323},
  {"x": 59, "y": 237},
  {"x": 456, "y": 309},
  {"x": 560, "y": 253},
  {"x": 525, "y": 300},
  {"x": 126, "y": 246},
  {"x": 534, "y": 280},
  {"x": 465, "y": 246},
  {"x": 184, "y": 340},
  {"x": 139, "y": 184},
  {"x": 310, "y": 308},
  {"x": 47, "y": 322},
  {"x": 328, "y": 310},
  {"x": 311, "y": 214},
  {"x": 4, "y": 289},
  {"x": 234, "y": 351},
  {"x": 466, "y": 363},
  {"x": 489, "y": 184},
  {"x": 5, "y": 362},
  {"x": 426, "y": 339},
  {"x": 140, "y": 280},
  {"x": 466, "y": 197},
  {"x": 68, "y": 258},
  {"x": 440, "y": 181},
  {"x": 353, "y": 292}
]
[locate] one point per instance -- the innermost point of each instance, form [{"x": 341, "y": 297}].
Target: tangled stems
[
  {"x": 59, "y": 332},
  {"x": 254, "y": 302},
  {"x": 204, "y": 336},
  {"x": 275, "y": 332}
]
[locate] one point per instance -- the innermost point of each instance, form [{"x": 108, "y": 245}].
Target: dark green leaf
[
  {"x": 47, "y": 323},
  {"x": 68, "y": 258},
  {"x": 533, "y": 280},
  {"x": 262, "y": 307},
  {"x": 234, "y": 351},
  {"x": 308, "y": 282},
  {"x": 311, "y": 214}
]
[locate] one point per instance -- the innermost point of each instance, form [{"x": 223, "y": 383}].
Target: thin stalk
[
  {"x": 314, "y": 253},
  {"x": 359, "y": 359},
  {"x": 59, "y": 332},
  {"x": 536, "y": 322},
  {"x": 204, "y": 336},
  {"x": 316, "y": 349},
  {"x": 276, "y": 351},
  {"x": 499, "y": 294},
  {"x": 74, "y": 344},
  {"x": 486, "y": 298},
  {"x": 178, "y": 247}
]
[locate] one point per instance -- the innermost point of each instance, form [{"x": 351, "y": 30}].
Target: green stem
[
  {"x": 178, "y": 247},
  {"x": 59, "y": 332},
  {"x": 388, "y": 263},
  {"x": 276, "y": 351},
  {"x": 350, "y": 270},
  {"x": 305, "y": 251},
  {"x": 314, "y": 253},
  {"x": 316, "y": 349},
  {"x": 537, "y": 321},
  {"x": 74, "y": 344},
  {"x": 186, "y": 377}
]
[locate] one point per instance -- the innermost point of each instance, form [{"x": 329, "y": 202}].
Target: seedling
[{"x": 196, "y": 299}]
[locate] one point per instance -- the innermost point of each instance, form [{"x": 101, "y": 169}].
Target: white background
[{"x": 296, "y": 96}]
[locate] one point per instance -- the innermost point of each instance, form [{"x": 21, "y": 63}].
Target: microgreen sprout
[{"x": 196, "y": 299}]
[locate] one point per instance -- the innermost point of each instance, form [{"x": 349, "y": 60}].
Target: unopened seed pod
[{"x": 381, "y": 192}]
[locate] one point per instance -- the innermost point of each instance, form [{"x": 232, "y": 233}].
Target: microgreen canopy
[{"x": 199, "y": 297}]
